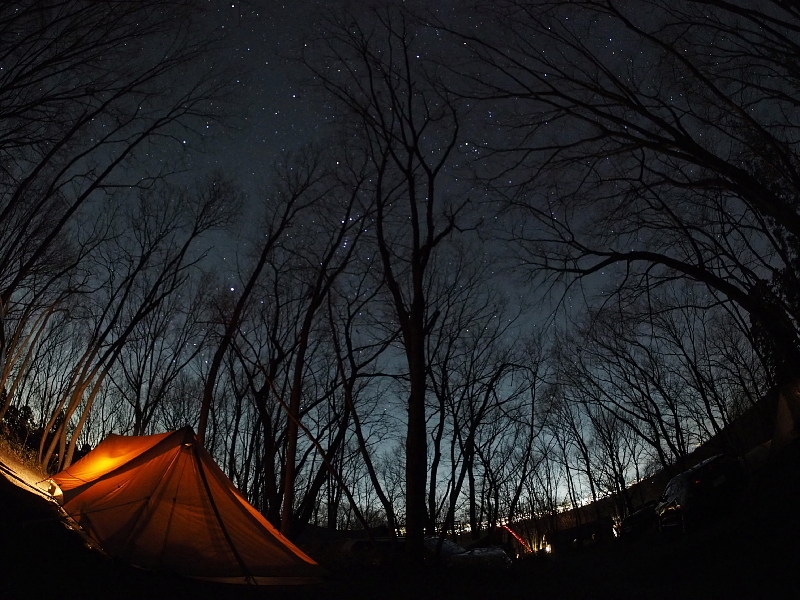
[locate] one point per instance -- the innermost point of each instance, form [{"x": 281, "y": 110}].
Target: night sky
[
  {"x": 274, "y": 113},
  {"x": 269, "y": 116}
]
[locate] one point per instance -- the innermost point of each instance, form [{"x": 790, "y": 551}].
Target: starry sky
[
  {"x": 269, "y": 114},
  {"x": 273, "y": 112}
]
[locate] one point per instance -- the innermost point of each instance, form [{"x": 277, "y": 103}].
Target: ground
[{"x": 751, "y": 551}]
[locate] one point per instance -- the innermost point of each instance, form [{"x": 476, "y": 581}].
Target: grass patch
[{"x": 22, "y": 455}]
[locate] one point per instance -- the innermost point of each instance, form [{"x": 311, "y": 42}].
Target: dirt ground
[{"x": 751, "y": 551}]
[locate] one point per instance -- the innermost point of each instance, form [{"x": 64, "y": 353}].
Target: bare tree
[
  {"x": 614, "y": 365},
  {"x": 652, "y": 141},
  {"x": 274, "y": 347},
  {"x": 298, "y": 185},
  {"x": 326, "y": 259},
  {"x": 158, "y": 352},
  {"x": 87, "y": 90},
  {"x": 475, "y": 377},
  {"x": 155, "y": 251},
  {"x": 373, "y": 65},
  {"x": 359, "y": 341}
]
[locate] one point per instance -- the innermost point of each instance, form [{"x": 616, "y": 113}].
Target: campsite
[
  {"x": 399, "y": 299},
  {"x": 750, "y": 552}
]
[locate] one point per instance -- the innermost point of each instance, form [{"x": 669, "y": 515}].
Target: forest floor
[{"x": 753, "y": 551}]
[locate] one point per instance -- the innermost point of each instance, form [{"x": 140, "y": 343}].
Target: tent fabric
[{"x": 161, "y": 502}]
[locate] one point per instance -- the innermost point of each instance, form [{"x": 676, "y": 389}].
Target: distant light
[{"x": 232, "y": 289}]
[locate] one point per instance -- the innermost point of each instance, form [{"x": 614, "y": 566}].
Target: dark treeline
[{"x": 545, "y": 249}]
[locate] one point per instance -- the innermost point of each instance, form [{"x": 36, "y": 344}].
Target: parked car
[
  {"x": 453, "y": 555},
  {"x": 698, "y": 494}
]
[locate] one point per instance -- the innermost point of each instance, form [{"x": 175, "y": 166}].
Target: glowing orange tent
[{"x": 161, "y": 502}]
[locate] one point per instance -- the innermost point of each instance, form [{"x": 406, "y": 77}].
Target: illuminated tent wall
[{"x": 161, "y": 502}]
